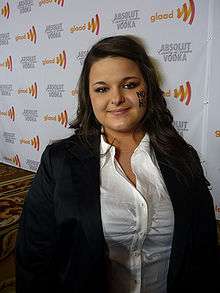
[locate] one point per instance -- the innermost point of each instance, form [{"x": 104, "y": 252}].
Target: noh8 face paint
[{"x": 141, "y": 98}]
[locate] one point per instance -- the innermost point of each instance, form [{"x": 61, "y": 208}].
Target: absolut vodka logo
[
  {"x": 181, "y": 126},
  {"x": 4, "y": 39},
  {"x": 25, "y": 6},
  {"x": 28, "y": 62},
  {"x": 175, "y": 52},
  {"x": 54, "y": 31},
  {"x": 55, "y": 90},
  {"x": 126, "y": 19},
  {"x": 6, "y": 89}
]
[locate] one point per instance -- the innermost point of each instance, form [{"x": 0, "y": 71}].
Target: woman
[{"x": 122, "y": 205}]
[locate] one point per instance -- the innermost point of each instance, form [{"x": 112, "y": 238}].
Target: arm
[{"x": 36, "y": 239}]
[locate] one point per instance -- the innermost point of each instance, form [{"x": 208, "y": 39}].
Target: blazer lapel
[
  {"x": 181, "y": 200},
  {"x": 89, "y": 195}
]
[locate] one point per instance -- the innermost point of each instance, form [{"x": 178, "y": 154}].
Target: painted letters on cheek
[{"x": 141, "y": 98}]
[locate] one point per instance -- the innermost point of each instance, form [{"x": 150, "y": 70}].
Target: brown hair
[{"x": 157, "y": 121}]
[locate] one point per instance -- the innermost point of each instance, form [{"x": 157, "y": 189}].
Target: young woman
[{"x": 122, "y": 206}]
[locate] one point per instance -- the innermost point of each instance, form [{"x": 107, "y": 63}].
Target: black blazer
[{"x": 60, "y": 243}]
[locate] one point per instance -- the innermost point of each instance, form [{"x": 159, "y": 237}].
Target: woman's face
[{"x": 118, "y": 94}]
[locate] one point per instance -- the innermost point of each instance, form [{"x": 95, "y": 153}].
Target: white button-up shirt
[{"x": 137, "y": 221}]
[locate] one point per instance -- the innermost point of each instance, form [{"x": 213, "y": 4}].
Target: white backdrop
[{"x": 43, "y": 44}]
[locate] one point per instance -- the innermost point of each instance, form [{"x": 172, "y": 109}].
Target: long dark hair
[{"x": 157, "y": 121}]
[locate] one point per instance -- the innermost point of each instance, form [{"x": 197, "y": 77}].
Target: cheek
[{"x": 141, "y": 98}]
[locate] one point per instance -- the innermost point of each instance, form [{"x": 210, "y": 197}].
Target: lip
[{"x": 119, "y": 111}]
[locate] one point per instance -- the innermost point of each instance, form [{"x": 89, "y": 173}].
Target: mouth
[{"x": 118, "y": 111}]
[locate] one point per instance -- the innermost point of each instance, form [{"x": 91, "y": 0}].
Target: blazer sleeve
[
  {"x": 36, "y": 238},
  {"x": 205, "y": 256}
]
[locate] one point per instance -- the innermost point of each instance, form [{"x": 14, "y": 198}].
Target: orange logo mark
[
  {"x": 11, "y": 113},
  {"x": 94, "y": 25},
  {"x": 35, "y": 142},
  {"x": 61, "y": 59},
  {"x": 59, "y": 2},
  {"x": 7, "y": 63},
  {"x": 6, "y": 10},
  {"x": 33, "y": 90},
  {"x": 217, "y": 133},
  {"x": 187, "y": 13},
  {"x": 63, "y": 118},
  {"x": 184, "y": 95},
  {"x": 32, "y": 35},
  {"x": 15, "y": 160}
]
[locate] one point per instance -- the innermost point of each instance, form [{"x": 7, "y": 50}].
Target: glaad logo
[
  {"x": 62, "y": 118},
  {"x": 6, "y": 11},
  {"x": 186, "y": 13},
  {"x": 182, "y": 94},
  {"x": 44, "y": 2},
  {"x": 59, "y": 59},
  {"x": 7, "y": 63},
  {"x": 93, "y": 26},
  {"x": 175, "y": 52},
  {"x": 30, "y": 35},
  {"x": 74, "y": 92},
  {"x": 32, "y": 90},
  {"x": 217, "y": 133},
  {"x": 126, "y": 19},
  {"x": 14, "y": 159},
  {"x": 34, "y": 142},
  {"x": 10, "y": 113}
]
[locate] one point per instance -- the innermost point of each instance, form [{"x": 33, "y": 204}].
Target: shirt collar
[{"x": 107, "y": 151}]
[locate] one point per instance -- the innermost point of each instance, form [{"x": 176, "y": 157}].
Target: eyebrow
[{"x": 123, "y": 80}]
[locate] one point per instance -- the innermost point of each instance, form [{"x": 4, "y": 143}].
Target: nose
[{"x": 117, "y": 98}]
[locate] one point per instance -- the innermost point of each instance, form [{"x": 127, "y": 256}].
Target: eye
[
  {"x": 131, "y": 85},
  {"x": 101, "y": 89}
]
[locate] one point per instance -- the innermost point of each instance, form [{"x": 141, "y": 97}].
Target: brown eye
[
  {"x": 101, "y": 90},
  {"x": 131, "y": 85}
]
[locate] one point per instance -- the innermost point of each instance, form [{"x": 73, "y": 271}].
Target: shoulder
[{"x": 70, "y": 148}]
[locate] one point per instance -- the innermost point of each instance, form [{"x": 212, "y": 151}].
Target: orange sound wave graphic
[
  {"x": 35, "y": 142},
  {"x": 61, "y": 59},
  {"x": 33, "y": 90},
  {"x": 32, "y": 35},
  {"x": 59, "y": 2},
  {"x": 8, "y": 63},
  {"x": 6, "y": 10},
  {"x": 16, "y": 160},
  {"x": 94, "y": 25},
  {"x": 184, "y": 95},
  {"x": 63, "y": 118},
  {"x": 186, "y": 13},
  {"x": 11, "y": 113}
]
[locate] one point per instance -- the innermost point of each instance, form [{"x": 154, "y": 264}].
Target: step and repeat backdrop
[{"x": 43, "y": 44}]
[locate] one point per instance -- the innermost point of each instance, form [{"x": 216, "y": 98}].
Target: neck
[{"x": 125, "y": 142}]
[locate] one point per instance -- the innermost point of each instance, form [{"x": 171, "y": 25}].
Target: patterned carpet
[{"x": 14, "y": 184}]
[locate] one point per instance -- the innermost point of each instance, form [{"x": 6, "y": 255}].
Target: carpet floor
[{"x": 14, "y": 184}]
